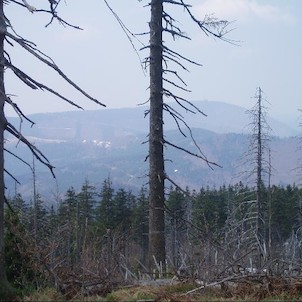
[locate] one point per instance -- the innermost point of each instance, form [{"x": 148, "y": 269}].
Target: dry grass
[
  {"x": 47, "y": 294},
  {"x": 273, "y": 290}
]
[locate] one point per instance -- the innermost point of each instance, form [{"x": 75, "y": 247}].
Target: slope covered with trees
[{"x": 93, "y": 239}]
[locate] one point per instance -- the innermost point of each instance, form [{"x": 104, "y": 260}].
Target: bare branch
[
  {"x": 211, "y": 26},
  {"x": 18, "y": 157},
  {"x": 17, "y": 109},
  {"x": 170, "y": 51},
  {"x": 35, "y": 85},
  {"x": 179, "y": 101},
  {"x": 209, "y": 163},
  {"x": 175, "y": 85},
  {"x": 35, "y": 151},
  {"x": 177, "y": 3},
  {"x": 52, "y": 11},
  {"x": 176, "y": 74},
  {"x": 12, "y": 176},
  {"x": 129, "y": 34},
  {"x": 51, "y": 64}
]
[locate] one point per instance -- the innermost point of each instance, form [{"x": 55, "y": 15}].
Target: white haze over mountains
[
  {"x": 228, "y": 118},
  {"x": 268, "y": 54},
  {"x": 95, "y": 124},
  {"x": 97, "y": 144}
]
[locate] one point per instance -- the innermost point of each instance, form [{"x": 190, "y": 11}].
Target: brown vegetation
[{"x": 249, "y": 288}]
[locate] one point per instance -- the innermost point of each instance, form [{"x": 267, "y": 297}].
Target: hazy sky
[{"x": 102, "y": 61}]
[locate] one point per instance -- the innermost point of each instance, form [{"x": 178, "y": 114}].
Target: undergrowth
[{"x": 179, "y": 292}]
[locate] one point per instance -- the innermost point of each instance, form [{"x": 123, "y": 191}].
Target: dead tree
[
  {"x": 259, "y": 159},
  {"x": 159, "y": 62},
  {"x": 299, "y": 148},
  {"x": 248, "y": 230},
  {"x": 9, "y": 35},
  {"x": 2, "y": 128},
  {"x": 156, "y": 139}
]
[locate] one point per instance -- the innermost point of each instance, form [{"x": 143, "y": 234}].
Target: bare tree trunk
[
  {"x": 156, "y": 141},
  {"x": 2, "y": 127},
  {"x": 259, "y": 174},
  {"x": 35, "y": 201},
  {"x": 161, "y": 55},
  {"x": 260, "y": 219},
  {"x": 259, "y": 164},
  {"x": 269, "y": 189},
  {"x": 77, "y": 256}
]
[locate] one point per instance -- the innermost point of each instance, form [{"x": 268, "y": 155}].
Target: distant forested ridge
[{"x": 122, "y": 158}]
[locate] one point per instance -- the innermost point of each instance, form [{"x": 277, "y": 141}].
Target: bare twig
[{"x": 44, "y": 59}]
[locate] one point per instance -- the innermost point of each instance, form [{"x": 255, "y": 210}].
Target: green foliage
[
  {"x": 286, "y": 215},
  {"x": 140, "y": 223},
  {"x": 8, "y": 292},
  {"x": 138, "y": 294},
  {"x": 93, "y": 232},
  {"x": 105, "y": 209},
  {"x": 68, "y": 215},
  {"x": 139, "y": 217},
  {"x": 121, "y": 211},
  {"x": 20, "y": 272},
  {"x": 67, "y": 209},
  {"x": 115, "y": 209},
  {"x": 86, "y": 203},
  {"x": 209, "y": 210}
]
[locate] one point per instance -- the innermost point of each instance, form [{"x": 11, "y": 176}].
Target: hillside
[
  {"x": 106, "y": 124},
  {"x": 96, "y": 144}
]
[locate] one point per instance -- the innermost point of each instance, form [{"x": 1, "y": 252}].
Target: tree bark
[
  {"x": 2, "y": 128},
  {"x": 156, "y": 157}
]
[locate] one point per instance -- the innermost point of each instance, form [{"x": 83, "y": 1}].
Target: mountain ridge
[
  {"x": 98, "y": 144},
  {"x": 221, "y": 118}
]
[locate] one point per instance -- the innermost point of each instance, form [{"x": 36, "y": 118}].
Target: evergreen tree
[
  {"x": 285, "y": 212},
  {"x": 68, "y": 207},
  {"x": 21, "y": 271},
  {"x": 68, "y": 228},
  {"x": 105, "y": 210},
  {"x": 209, "y": 211},
  {"x": 20, "y": 206},
  {"x": 121, "y": 210},
  {"x": 86, "y": 204},
  {"x": 122, "y": 206},
  {"x": 176, "y": 226},
  {"x": 139, "y": 222},
  {"x": 38, "y": 219}
]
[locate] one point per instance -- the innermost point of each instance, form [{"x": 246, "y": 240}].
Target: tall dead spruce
[
  {"x": 259, "y": 160},
  {"x": 299, "y": 148},
  {"x": 159, "y": 61},
  {"x": 9, "y": 35}
]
